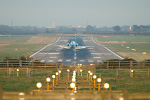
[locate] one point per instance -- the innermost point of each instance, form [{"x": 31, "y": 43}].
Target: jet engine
[{"x": 76, "y": 44}]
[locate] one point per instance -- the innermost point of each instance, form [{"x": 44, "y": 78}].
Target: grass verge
[{"x": 118, "y": 43}]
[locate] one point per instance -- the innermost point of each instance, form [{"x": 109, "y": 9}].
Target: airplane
[{"x": 73, "y": 44}]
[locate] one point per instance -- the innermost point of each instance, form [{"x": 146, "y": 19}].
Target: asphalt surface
[{"x": 95, "y": 51}]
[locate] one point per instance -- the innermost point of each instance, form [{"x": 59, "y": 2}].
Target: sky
[{"x": 74, "y": 12}]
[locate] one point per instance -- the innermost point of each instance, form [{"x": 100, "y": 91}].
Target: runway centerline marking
[{"x": 75, "y": 54}]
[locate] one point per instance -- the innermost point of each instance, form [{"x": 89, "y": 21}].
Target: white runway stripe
[
  {"x": 96, "y": 53},
  {"x": 50, "y": 60},
  {"x": 60, "y": 60},
  {"x": 68, "y": 60},
  {"x": 81, "y": 60},
  {"x": 53, "y": 57},
  {"x": 114, "y": 53},
  {"x": 97, "y": 57}
]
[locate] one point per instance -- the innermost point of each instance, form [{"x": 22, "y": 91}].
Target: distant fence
[
  {"x": 123, "y": 64},
  {"x": 123, "y": 73},
  {"x": 25, "y": 64},
  {"x": 102, "y": 65}
]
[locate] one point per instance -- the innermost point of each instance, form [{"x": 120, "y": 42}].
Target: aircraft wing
[
  {"x": 82, "y": 47},
  {"x": 63, "y": 46}
]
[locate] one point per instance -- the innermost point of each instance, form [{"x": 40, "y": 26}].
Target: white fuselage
[{"x": 73, "y": 44}]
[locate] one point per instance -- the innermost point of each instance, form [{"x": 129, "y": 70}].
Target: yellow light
[
  {"x": 144, "y": 53},
  {"x": 72, "y": 85},
  {"x": 48, "y": 79},
  {"x": 122, "y": 45},
  {"x": 131, "y": 71},
  {"x": 68, "y": 70},
  {"x": 73, "y": 79},
  {"x": 16, "y": 49},
  {"x": 133, "y": 49},
  {"x": 39, "y": 85},
  {"x": 127, "y": 47},
  {"x": 91, "y": 74},
  {"x": 53, "y": 76},
  {"x": 94, "y": 76},
  {"x": 106, "y": 85},
  {"x": 99, "y": 80},
  {"x": 57, "y": 73}
]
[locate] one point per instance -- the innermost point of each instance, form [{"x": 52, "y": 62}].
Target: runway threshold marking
[
  {"x": 81, "y": 60},
  {"x": 97, "y": 57},
  {"x": 51, "y": 60},
  {"x": 96, "y": 53},
  {"x": 101, "y": 53},
  {"x": 60, "y": 60},
  {"x": 68, "y": 60},
  {"x": 58, "y": 50},
  {"x": 90, "y": 60},
  {"x": 99, "y": 61},
  {"x": 53, "y": 57}
]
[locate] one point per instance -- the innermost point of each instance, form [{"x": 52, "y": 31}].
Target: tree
[
  {"x": 117, "y": 28},
  {"x": 47, "y": 30},
  {"x": 6, "y": 58},
  {"x": 23, "y": 58},
  {"x": 89, "y": 29},
  {"x": 135, "y": 28}
]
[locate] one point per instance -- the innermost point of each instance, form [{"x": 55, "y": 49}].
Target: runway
[{"x": 95, "y": 51}]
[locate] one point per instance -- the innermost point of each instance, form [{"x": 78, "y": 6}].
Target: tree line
[{"x": 28, "y": 30}]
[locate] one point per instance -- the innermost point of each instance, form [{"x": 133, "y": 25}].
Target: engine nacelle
[{"x": 76, "y": 44}]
